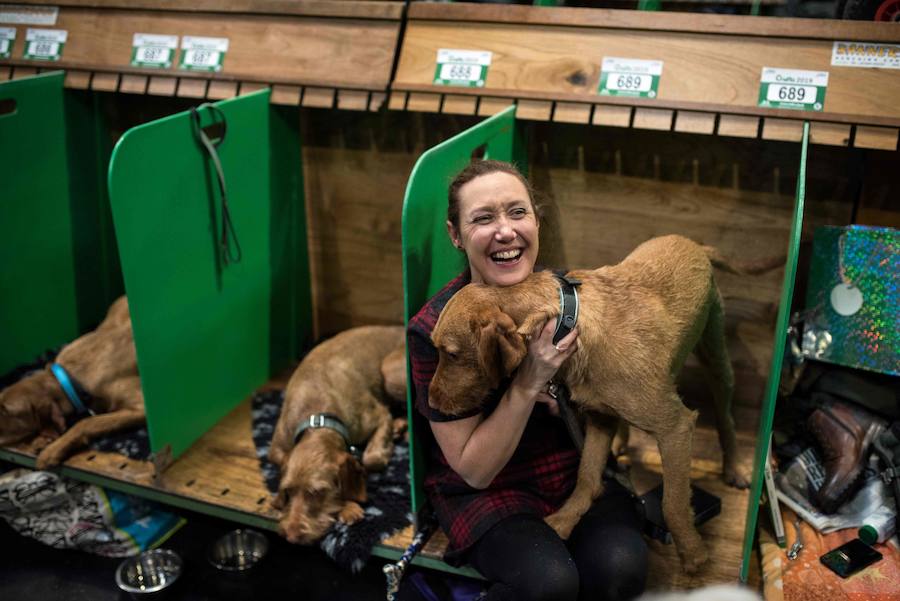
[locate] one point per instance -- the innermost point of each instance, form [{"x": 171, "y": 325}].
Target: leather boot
[{"x": 844, "y": 433}]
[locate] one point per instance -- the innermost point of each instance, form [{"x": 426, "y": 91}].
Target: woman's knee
[
  {"x": 615, "y": 567},
  {"x": 555, "y": 581}
]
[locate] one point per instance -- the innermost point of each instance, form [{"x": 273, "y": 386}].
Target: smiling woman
[{"x": 496, "y": 471}]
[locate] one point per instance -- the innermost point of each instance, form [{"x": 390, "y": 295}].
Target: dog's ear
[
  {"x": 280, "y": 500},
  {"x": 352, "y": 478},
  {"x": 57, "y": 418},
  {"x": 534, "y": 321},
  {"x": 500, "y": 347}
]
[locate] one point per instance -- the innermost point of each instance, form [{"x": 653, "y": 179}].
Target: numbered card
[
  {"x": 629, "y": 77},
  {"x": 202, "y": 54},
  {"x": 7, "y": 37},
  {"x": 154, "y": 51},
  {"x": 45, "y": 44},
  {"x": 466, "y": 68},
  {"x": 793, "y": 89}
]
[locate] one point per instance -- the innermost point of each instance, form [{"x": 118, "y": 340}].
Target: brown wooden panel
[
  {"x": 572, "y": 112},
  {"x": 248, "y": 87},
  {"x": 652, "y": 22},
  {"x": 425, "y": 103},
  {"x": 881, "y": 138},
  {"x": 832, "y": 134},
  {"x": 738, "y": 126},
  {"x": 700, "y": 70},
  {"x": 220, "y": 90},
  {"x": 192, "y": 88},
  {"x": 352, "y": 100},
  {"x": 105, "y": 82},
  {"x": 456, "y": 104},
  {"x": 377, "y": 101},
  {"x": 162, "y": 86},
  {"x": 397, "y": 101},
  {"x": 534, "y": 110},
  {"x": 786, "y": 130},
  {"x": 23, "y": 72},
  {"x": 272, "y": 48},
  {"x": 490, "y": 105},
  {"x": 611, "y": 115},
  {"x": 133, "y": 84},
  {"x": 660, "y": 119},
  {"x": 692, "y": 122},
  {"x": 289, "y": 95},
  {"x": 5, "y": 73},
  {"x": 79, "y": 80},
  {"x": 318, "y": 97}
]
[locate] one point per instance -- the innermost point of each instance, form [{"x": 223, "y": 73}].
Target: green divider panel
[
  {"x": 781, "y": 332},
  {"x": 429, "y": 259},
  {"x": 208, "y": 333},
  {"x": 56, "y": 246}
]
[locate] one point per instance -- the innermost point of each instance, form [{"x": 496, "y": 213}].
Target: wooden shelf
[
  {"x": 308, "y": 51},
  {"x": 548, "y": 61}
]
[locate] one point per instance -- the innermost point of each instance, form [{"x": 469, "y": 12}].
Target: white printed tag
[
  {"x": 467, "y": 68},
  {"x": 28, "y": 15},
  {"x": 793, "y": 89},
  {"x": 202, "y": 54},
  {"x": 864, "y": 54},
  {"x": 45, "y": 44},
  {"x": 7, "y": 37},
  {"x": 629, "y": 77},
  {"x": 154, "y": 51}
]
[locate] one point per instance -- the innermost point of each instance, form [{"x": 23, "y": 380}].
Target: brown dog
[
  {"x": 103, "y": 363},
  {"x": 637, "y": 323},
  {"x": 321, "y": 480}
]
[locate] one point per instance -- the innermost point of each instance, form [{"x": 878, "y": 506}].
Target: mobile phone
[{"x": 850, "y": 558}]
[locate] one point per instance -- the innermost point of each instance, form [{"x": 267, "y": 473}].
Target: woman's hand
[{"x": 544, "y": 358}]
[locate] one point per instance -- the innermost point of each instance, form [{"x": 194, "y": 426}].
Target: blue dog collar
[{"x": 62, "y": 376}]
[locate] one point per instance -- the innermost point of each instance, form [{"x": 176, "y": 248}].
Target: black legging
[{"x": 604, "y": 559}]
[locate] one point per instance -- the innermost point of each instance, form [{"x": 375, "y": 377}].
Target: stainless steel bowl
[
  {"x": 238, "y": 550},
  {"x": 150, "y": 572}
]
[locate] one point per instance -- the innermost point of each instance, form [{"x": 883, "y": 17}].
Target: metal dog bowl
[
  {"x": 238, "y": 550},
  {"x": 150, "y": 572}
]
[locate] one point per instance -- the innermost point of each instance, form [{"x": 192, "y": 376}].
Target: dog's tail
[{"x": 752, "y": 267}]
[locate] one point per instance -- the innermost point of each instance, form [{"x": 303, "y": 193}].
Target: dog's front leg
[
  {"x": 675, "y": 451},
  {"x": 597, "y": 440},
  {"x": 381, "y": 443},
  {"x": 86, "y": 430}
]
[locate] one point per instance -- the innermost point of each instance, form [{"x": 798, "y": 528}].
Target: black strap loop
[{"x": 227, "y": 252}]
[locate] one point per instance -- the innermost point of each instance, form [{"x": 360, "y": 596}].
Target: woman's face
[{"x": 497, "y": 228}]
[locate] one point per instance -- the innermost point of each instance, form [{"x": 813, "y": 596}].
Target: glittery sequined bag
[{"x": 853, "y": 303}]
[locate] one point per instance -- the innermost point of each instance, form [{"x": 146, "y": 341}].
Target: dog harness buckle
[{"x": 568, "y": 306}]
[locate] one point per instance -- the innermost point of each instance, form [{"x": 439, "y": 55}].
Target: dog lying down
[
  {"x": 335, "y": 401},
  {"x": 637, "y": 322},
  {"x": 104, "y": 393}
]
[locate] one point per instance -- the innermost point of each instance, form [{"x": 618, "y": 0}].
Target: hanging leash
[
  {"x": 393, "y": 572},
  {"x": 227, "y": 235}
]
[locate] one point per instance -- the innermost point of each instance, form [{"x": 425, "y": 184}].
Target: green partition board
[
  {"x": 56, "y": 246},
  {"x": 781, "y": 332},
  {"x": 207, "y": 334},
  {"x": 429, "y": 258}
]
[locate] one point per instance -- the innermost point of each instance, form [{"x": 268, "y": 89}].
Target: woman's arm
[{"x": 477, "y": 448}]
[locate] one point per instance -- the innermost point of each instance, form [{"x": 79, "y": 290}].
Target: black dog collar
[
  {"x": 330, "y": 421},
  {"x": 568, "y": 306}
]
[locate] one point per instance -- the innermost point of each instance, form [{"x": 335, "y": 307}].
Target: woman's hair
[{"x": 475, "y": 169}]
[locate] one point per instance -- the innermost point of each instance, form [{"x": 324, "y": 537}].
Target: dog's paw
[
  {"x": 48, "y": 458},
  {"x": 351, "y": 513},
  {"x": 377, "y": 460},
  {"x": 736, "y": 476},
  {"x": 561, "y": 523},
  {"x": 399, "y": 427},
  {"x": 694, "y": 559}
]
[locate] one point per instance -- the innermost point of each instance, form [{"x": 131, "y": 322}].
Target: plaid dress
[{"x": 538, "y": 477}]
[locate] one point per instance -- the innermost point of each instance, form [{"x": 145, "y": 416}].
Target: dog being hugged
[
  {"x": 334, "y": 403},
  {"x": 93, "y": 380},
  {"x": 637, "y": 322}
]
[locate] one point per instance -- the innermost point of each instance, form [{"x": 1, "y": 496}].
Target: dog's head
[
  {"x": 31, "y": 406},
  {"x": 478, "y": 346},
  {"x": 316, "y": 481}
]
